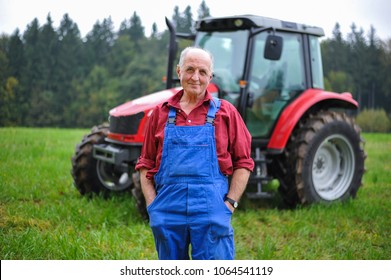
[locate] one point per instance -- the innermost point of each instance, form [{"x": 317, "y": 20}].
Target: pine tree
[{"x": 203, "y": 10}]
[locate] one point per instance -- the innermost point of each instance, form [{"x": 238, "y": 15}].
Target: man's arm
[
  {"x": 147, "y": 186},
  {"x": 238, "y": 185}
]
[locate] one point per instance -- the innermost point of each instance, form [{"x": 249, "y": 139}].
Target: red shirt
[{"x": 233, "y": 140}]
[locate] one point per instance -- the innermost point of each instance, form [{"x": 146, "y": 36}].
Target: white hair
[{"x": 188, "y": 49}]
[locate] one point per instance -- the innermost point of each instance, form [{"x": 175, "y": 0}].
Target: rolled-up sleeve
[
  {"x": 144, "y": 163},
  {"x": 233, "y": 140},
  {"x": 149, "y": 150},
  {"x": 239, "y": 143}
]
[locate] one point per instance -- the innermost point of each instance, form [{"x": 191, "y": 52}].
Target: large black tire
[
  {"x": 95, "y": 176},
  {"x": 324, "y": 160}
]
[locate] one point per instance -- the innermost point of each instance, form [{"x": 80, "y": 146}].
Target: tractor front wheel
[{"x": 95, "y": 176}]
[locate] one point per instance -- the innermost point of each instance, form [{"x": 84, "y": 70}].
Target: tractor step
[{"x": 259, "y": 195}]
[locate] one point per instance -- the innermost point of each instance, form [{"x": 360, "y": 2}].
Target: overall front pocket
[{"x": 189, "y": 160}]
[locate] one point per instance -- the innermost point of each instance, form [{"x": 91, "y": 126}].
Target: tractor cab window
[
  {"x": 229, "y": 51},
  {"x": 273, "y": 83},
  {"x": 316, "y": 63}
]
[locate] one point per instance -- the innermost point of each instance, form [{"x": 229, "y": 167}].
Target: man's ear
[{"x": 178, "y": 71}]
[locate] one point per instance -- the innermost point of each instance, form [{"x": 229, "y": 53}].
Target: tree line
[
  {"x": 52, "y": 77},
  {"x": 360, "y": 64}
]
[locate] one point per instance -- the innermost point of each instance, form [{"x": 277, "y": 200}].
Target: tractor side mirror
[{"x": 273, "y": 47}]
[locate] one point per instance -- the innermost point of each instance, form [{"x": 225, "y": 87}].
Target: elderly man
[{"x": 192, "y": 144}]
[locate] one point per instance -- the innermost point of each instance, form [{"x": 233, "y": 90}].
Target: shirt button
[{"x": 189, "y": 121}]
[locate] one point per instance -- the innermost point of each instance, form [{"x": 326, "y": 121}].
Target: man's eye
[{"x": 190, "y": 71}]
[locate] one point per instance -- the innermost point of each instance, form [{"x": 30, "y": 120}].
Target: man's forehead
[
  {"x": 199, "y": 61},
  {"x": 197, "y": 53}
]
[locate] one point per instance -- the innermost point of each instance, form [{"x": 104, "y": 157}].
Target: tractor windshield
[{"x": 229, "y": 51}]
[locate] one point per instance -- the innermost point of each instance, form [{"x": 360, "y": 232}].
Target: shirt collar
[{"x": 175, "y": 99}]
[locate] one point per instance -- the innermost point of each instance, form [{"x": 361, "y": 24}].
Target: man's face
[{"x": 195, "y": 73}]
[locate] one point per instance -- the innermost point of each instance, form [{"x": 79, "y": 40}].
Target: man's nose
[{"x": 196, "y": 75}]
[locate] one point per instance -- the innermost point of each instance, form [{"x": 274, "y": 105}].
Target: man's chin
[{"x": 195, "y": 90}]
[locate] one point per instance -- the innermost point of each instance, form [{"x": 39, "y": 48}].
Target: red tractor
[{"x": 271, "y": 70}]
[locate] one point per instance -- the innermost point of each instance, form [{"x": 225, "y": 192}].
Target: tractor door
[{"x": 274, "y": 83}]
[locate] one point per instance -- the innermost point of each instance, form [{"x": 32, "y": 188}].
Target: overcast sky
[{"x": 364, "y": 13}]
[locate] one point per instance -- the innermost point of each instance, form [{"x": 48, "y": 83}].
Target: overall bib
[{"x": 189, "y": 208}]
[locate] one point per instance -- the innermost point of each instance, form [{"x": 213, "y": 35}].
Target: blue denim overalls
[{"x": 189, "y": 207}]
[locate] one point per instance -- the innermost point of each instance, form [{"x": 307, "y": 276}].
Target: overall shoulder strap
[
  {"x": 171, "y": 116},
  {"x": 214, "y": 106}
]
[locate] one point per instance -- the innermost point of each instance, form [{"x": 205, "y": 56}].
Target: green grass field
[{"x": 43, "y": 217}]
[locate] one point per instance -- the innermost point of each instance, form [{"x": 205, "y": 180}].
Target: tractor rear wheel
[
  {"x": 95, "y": 176},
  {"x": 325, "y": 156}
]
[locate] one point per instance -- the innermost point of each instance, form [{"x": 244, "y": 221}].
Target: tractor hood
[{"x": 143, "y": 103}]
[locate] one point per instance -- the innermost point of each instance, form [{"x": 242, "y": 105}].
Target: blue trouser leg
[
  {"x": 211, "y": 233},
  {"x": 168, "y": 223},
  {"x": 172, "y": 243}
]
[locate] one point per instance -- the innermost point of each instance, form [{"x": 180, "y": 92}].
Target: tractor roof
[{"x": 251, "y": 21}]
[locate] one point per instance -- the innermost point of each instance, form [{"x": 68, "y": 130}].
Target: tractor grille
[{"x": 125, "y": 124}]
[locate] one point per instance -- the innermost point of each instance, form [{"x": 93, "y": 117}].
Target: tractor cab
[{"x": 260, "y": 64}]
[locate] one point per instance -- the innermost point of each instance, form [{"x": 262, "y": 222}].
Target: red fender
[{"x": 294, "y": 111}]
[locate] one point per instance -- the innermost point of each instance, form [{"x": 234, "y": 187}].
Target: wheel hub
[
  {"x": 333, "y": 167},
  {"x": 320, "y": 164},
  {"x": 112, "y": 179}
]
